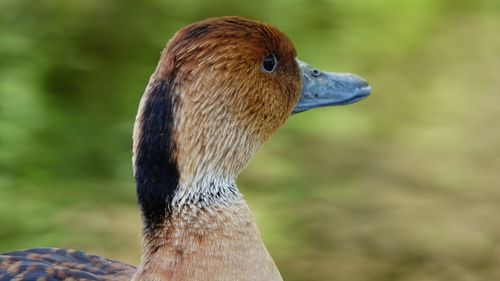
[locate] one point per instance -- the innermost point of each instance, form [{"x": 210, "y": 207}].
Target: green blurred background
[{"x": 402, "y": 186}]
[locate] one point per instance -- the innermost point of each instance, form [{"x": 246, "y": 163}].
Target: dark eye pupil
[{"x": 269, "y": 63}]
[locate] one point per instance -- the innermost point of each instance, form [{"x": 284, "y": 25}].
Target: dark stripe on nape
[
  {"x": 156, "y": 172},
  {"x": 197, "y": 31}
]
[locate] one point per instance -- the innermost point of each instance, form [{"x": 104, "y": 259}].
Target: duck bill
[{"x": 321, "y": 89}]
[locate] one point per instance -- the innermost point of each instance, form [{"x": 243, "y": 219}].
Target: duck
[{"x": 221, "y": 88}]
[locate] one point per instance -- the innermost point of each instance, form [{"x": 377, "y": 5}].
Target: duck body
[
  {"x": 222, "y": 87},
  {"x": 50, "y": 264}
]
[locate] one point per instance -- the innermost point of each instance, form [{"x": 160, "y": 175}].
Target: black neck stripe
[{"x": 156, "y": 172}]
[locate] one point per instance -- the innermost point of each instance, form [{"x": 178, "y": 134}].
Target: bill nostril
[{"x": 316, "y": 73}]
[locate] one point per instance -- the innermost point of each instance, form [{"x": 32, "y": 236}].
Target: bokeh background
[{"x": 402, "y": 186}]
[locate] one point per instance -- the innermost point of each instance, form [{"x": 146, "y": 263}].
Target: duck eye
[{"x": 269, "y": 63}]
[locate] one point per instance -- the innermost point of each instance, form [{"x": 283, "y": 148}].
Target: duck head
[{"x": 222, "y": 87}]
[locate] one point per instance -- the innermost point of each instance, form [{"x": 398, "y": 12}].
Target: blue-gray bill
[{"x": 327, "y": 89}]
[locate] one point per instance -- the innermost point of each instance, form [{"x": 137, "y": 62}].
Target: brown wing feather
[{"x": 51, "y": 264}]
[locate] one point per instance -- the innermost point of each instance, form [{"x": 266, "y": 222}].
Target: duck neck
[
  {"x": 196, "y": 224},
  {"x": 207, "y": 236}
]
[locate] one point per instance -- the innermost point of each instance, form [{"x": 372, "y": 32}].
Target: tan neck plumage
[{"x": 215, "y": 243}]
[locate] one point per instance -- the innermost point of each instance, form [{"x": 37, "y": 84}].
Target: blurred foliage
[{"x": 403, "y": 186}]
